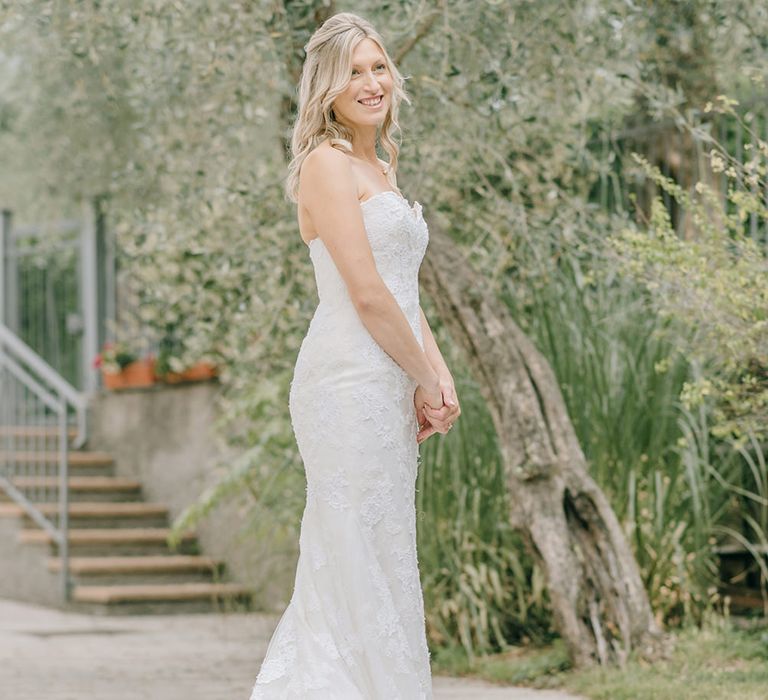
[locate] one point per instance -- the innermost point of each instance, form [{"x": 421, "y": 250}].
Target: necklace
[{"x": 348, "y": 147}]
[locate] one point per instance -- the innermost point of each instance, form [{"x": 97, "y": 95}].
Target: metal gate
[
  {"x": 57, "y": 296},
  {"x": 57, "y": 290}
]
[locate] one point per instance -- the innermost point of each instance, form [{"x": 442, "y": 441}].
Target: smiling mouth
[{"x": 372, "y": 101}]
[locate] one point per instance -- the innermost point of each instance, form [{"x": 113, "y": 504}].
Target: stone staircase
[{"x": 119, "y": 557}]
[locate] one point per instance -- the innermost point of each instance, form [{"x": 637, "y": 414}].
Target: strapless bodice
[
  {"x": 337, "y": 342},
  {"x": 398, "y": 236}
]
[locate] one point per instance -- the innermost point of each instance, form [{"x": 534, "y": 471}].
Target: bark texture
[{"x": 600, "y": 604}]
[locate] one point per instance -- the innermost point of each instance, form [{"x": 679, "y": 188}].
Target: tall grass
[
  {"x": 619, "y": 373},
  {"x": 677, "y": 490},
  {"x": 481, "y": 590}
]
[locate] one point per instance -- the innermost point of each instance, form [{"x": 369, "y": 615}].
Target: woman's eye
[{"x": 381, "y": 66}]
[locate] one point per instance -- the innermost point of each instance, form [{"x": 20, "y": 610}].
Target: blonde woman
[{"x": 369, "y": 385}]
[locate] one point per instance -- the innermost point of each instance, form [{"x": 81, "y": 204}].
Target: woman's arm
[
  {"x": 330, "y": 195},
  {"x": 430, "y": 345},
  {"x": 431, "y": 350},
  {"x": 440, "y": 419}
]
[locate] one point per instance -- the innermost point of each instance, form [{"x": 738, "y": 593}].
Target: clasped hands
[{"x": 436, "y": 419}]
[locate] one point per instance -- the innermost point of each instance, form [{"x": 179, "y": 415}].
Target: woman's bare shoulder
[
  {"x": 325, "y": 169},
  {"x": 324, "y": 161}
]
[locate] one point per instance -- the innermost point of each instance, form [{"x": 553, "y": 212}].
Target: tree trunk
[{"x": 600, "y": 605}]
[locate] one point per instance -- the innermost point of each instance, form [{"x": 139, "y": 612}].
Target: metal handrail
[
  {"x": 29, "y": 357},
  {"x": 57, "y": 394}
]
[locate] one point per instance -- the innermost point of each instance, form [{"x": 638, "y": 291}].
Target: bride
[{"x": 369, "y": 385}]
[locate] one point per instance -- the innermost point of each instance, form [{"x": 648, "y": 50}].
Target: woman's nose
[{"x": 372, "y": 82}]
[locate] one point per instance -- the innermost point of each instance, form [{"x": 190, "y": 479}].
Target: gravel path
[{"x": 47, "y": 654}]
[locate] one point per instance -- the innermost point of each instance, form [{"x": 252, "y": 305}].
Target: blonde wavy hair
[{"x": 326, "y": 74}]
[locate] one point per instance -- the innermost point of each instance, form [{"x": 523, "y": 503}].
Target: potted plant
[
  {"x": 121, "y": 368},
  {"x": 171, "y": 347},
  {"x": 200, "y": 371}
]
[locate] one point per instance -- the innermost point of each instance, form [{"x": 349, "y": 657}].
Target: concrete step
[
  {"x": 52, "y": 457},
  {"x": 170, "y": 568},
  {"x": 80, "y": 462},
  {"x": 33, "y": 431},
  {"x": 128, "y": 540},
  {"x": 160, "y": 598},
  {"x": 102, "y": 565},
  {"x": 97, "y": 513},
  {"x": 120, "y": 561},
  {"x": 95, "y": 488}
]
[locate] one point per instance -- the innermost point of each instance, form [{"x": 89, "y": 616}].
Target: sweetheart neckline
[
  {"x": 414, "y": 208},
  {"x": 399, "y": 196}
]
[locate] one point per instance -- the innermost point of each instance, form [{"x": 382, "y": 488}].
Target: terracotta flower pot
[
  {"x": 139, "y": 373},
  {"x": 196, "y": 373}
]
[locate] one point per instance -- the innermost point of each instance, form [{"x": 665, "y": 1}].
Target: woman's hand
[
  {"x": 421, "y": 399},
  {"x": 440, "y": 419}
]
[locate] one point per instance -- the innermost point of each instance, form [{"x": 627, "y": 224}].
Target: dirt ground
[{"x": 47, "y": 654}]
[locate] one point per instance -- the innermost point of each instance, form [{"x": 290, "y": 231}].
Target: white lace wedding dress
[{"x": 354, "y": 628}]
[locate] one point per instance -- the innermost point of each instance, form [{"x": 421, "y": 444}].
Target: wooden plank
[
  {"x": 125, "y": 535},
  {"x": 51, "y": 457},
  {"x": 136, "y": 564},
  {"x": 78, "y": 483},
  {"x": 33, "y": 431},
  {"x": 171, "y": 591},
  {"x": 732, "y": 549},
  {"x": 95, "y": 509}
]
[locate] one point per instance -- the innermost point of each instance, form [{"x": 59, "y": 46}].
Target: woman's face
[{"x": 369, "y": 78}]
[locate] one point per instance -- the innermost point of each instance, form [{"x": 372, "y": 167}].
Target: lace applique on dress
[{"x": 354, "y": 628}]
